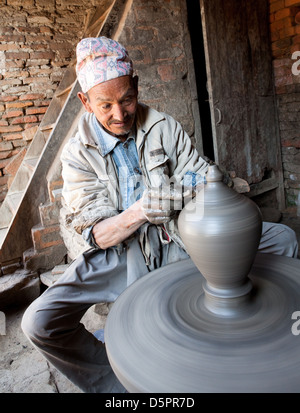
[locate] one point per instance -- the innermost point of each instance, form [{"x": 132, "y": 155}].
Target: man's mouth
[{"x": 121, "y": 124}]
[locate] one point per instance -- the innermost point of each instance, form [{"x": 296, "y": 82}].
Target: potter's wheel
[{"x": 160, "y": 337}]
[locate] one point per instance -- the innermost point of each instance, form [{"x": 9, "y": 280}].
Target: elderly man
[{"x": 124, "y": 172}]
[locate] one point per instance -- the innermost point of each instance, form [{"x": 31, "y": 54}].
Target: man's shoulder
[{"x": 148, "y": 117}]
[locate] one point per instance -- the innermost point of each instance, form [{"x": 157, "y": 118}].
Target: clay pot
[{"x": 221, "y": 231}]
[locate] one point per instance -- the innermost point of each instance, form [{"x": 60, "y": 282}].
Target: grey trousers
[{"x": 52, "y": 322}]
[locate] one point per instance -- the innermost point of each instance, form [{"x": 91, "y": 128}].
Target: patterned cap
[{"x": 100, "y": 59}]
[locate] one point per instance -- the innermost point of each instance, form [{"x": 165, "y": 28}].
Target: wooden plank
[
  {"x": 64, "y": 91},
  {"x": 3, "y": 232},
  {"x": 47, "y": 127},
  {"x": 262, "y": 187},
  {"x": 31, "y": 162},
  {"x": 14, "y": 199},
  {"x": 240, "y": 84}
]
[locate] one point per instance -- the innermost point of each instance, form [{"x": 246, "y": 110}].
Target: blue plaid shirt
[{"x": 126, "y": 160}]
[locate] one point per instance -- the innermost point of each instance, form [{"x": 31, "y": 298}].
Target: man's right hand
[{"x": 161, "y": 204}]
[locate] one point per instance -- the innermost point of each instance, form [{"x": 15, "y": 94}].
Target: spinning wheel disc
[{"x": 161, "y": 338}]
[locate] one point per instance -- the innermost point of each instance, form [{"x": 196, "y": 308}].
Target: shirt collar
[{"x": 106, "y": 141}]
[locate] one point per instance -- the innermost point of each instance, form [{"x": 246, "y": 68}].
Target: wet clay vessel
[
  {"x": 224, "y": 320},
  {"x": 221, "y": 231}
]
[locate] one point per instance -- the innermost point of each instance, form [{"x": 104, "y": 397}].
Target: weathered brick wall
[
  {"x": 285, "y": 38},
  {"x": 37, "y": 39}
]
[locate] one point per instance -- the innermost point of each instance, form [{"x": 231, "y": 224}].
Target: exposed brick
[
  {"x": 29, "y": 133},
  {"x": 49, "y": 214},
  {"x": 18, "y": 55},
  {"x": 296, "y": 39},
  {"x": 37, "y": 62},
  {"x": 276, "y": 5},
  {"x": 46, "y": 30},
  {"x": 166, "y": 73},
  {"x": 286, "y": 32},
  {"x": 28, "y": 29},
  {"x": 282, "y": 14},
  {"x": 282, "y": 44},
  {"x": 32, "y": 96},
  {"x": 39, "y": 20},
  {"x": 45, "y": 237},
  {"x": 3, "y": 180},
  {"x": 42, "y": 55},
  {"x": 10, "y": 82},
  {"x": 4, "y": 163},
  {"x": 275, "y": 36},
  {"x": 4, "y": 98},
  {"x": 19, "y": 143},
  {"x": 6, "y": 154},
  {"x": 13, "y": 114},
  {"x": 18, "y": 104},
  {"x": 12, "y": 136},
  {"x": 277, "y": 25},
  {"x": 289, "y": 3},
  {"x": 13, "y": 166},
  {"x": 5, "y": 146},
  {"x": 30, "y": 125},
  {"x": 10, "y": 128},
  {"x": 12, "y": 64},
  {"x": 24, "y": 119},
  {"x": 12, "y": 38},
  {"x": 34, "y": 111},
  {"x": 9, "y": 47},
  {"x": 295, "y": 48},
  {"x": 53, "y": 189}
]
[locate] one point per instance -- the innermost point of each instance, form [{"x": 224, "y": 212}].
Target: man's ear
[{"x": 85, "y": 101}]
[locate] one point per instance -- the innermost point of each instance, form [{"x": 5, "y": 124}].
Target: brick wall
[
  {"x": 37, "y": 39},
  {"x": 285, "y": 42}
]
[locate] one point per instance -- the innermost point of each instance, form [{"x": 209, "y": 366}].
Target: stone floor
[{"x": 24, "y": 370}]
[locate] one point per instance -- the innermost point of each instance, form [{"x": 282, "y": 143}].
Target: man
[{"x": 123, "y": 172}]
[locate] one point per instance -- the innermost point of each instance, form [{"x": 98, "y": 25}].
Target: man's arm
[{"x": 112, "y": 231}]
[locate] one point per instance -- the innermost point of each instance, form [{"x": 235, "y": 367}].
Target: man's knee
[
  {"x": 279, "y": 239},
  {"x": 290, "y": 241},
  {"x": 34, "y": 323}
]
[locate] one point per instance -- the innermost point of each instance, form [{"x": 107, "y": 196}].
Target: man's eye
[
  {"x": 106, "y": 106},
  {"x": 127, "y": 101}
]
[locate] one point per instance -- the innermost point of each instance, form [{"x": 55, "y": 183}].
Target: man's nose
[{"x": 118, "y": 112}]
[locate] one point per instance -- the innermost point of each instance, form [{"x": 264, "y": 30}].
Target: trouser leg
[
  {"x": 278, "y": 239},
  {"x": 52, "y": 322}
]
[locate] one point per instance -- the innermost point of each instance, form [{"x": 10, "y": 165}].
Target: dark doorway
[{"x": 196, "y": 34}]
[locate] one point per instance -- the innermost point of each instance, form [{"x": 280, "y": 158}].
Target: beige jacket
[{"x": 91, "y": 188}]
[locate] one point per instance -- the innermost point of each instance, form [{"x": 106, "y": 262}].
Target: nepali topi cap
[{"x": 100, "y": 59}]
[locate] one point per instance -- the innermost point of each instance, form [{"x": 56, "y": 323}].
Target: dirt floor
[{"x": 24, "y": 370}]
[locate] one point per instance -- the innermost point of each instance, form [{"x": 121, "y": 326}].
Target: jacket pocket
[
  {"x": 158, "y": 168},
  {"x": 157, "y": 159}
]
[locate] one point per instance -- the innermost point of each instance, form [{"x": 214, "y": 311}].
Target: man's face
[{"x": 114, "y": 104}]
